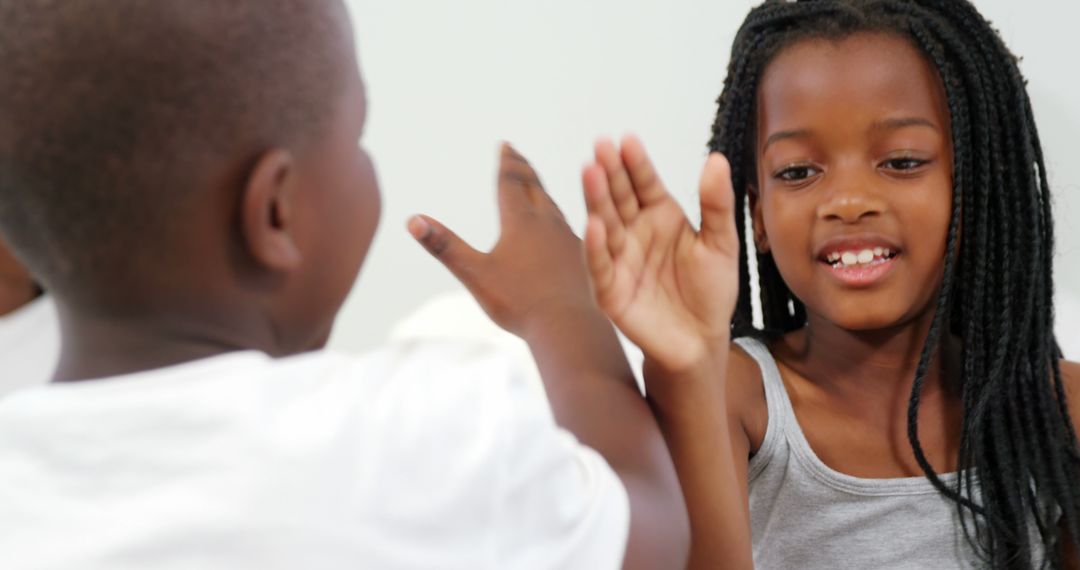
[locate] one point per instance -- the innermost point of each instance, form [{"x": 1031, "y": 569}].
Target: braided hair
[{"x": 1018, "y": 457}]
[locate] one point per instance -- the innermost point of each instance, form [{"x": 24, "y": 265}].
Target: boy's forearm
[
  {"x": 593, "y": 395},
  {"x": 591, "y": 388},
  {"x": 691, "y": 408}
]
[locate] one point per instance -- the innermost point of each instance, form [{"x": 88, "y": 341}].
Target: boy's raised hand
[
  {"x": 669, "y": 288},
  {"x": 534, "y": 283},
  {"x": 535, "y": 269}
]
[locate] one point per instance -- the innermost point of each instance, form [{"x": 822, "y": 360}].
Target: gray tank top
[{"x": 805, "y": 515}]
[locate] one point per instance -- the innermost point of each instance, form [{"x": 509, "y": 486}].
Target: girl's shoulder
[
  {"x": 1070, "y": 376},
  {"x": 746, "y": 396}
]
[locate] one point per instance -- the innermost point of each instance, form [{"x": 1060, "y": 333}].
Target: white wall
[{"x": 447, "y": 80}]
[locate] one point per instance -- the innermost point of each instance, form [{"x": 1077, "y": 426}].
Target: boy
[
  {"x": 183, "y": 175},
  {"x": 29, "y": 339}
]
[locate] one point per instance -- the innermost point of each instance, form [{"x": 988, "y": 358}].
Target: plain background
[{"x": 447, "y": 80}]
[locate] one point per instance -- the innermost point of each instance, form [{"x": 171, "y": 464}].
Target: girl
[{"x": 904, "y": 405}]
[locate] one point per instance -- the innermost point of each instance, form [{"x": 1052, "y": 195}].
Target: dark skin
[
  {"x": 853, "y": 151},
  {"x": 849, "y": 147},
  {"x": 17, "y": 288},
  {"x": 258, "y": 265},
  {"x": 277, "y": 243}
]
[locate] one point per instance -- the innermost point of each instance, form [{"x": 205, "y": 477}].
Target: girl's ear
[
  {"x": 761, "y": 239},
  {"x": 267, "y": 210}
]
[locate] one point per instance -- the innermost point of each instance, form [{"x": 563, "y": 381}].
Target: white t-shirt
[
  {"x": 456, "y": 315},
  {"x": 419, "y": 455},
  {"x": 29, "y": 345}
]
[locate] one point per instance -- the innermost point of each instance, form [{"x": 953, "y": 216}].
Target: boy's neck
[
  {"x": 95, "y": 347},
  {"x": 14, "y": 295}
]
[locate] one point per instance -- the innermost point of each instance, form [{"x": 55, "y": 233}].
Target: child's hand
[
  {"x": 536, "y": 270},
  {"x": 669, "y": 288}
]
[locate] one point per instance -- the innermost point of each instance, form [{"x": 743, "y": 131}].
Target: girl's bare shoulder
[
  {"x": 1070, "y": 376},
  {"x": 746, "y": 395}
]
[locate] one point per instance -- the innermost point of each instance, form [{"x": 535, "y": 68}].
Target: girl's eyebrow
[
  {"x": 884, "y": 124},
  {"x": 781, "y": 135},
  {"x": 901, "y": 122}
]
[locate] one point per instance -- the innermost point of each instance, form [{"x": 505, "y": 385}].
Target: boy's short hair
[{"x": 113, "y": 111}]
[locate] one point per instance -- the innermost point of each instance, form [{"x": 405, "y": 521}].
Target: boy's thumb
[{"x": 446, "y": 246}]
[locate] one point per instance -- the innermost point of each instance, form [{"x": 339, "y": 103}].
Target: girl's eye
[
  {"x": 796, "y": 173},
  {"x": 903, "y": 164}
]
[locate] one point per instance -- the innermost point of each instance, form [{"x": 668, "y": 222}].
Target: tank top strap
[{"x": 781, "y": 414}]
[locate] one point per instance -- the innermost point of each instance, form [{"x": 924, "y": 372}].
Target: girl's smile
[{"x": 861, "y": 260}]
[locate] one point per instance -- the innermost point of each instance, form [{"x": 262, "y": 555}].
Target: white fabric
[
  {"x": 420, "y": 455},
  {"x": 456, "y": 315},
  {"x": 29, "y": 345}
]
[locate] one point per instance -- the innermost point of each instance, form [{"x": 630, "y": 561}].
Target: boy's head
[{"x": 187, "y": 161}]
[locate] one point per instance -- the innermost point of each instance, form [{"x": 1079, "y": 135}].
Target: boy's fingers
[
  {"x": 519, "y": 185},
  {"x": 598, "y": 258},
  {"x": 622, "y": 191},
  {"x": 646, "y": 182},
  {"x": 460, "y": 258},
  {"x": 718, "y": 205},
  {"x": 598, "y": 201}
]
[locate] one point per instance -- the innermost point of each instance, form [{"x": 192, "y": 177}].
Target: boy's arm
[
  {"x": 534, "y": 284},
  {"x": 672, "y": 289}
]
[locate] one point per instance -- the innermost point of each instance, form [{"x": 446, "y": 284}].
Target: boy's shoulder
[
  {"x": 413, "y": 408},
  {"x": 427, "y": 380},
  {"x": 464, "y": 387}
]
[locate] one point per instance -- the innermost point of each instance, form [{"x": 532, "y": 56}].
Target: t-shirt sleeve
[{"x": 559, "y": 504}]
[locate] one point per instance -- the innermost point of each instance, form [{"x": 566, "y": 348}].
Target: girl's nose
[{"x": 850, "y": 205}]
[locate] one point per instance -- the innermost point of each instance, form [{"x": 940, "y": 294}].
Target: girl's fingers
[
  {"x": 718, "y": 205},
  {"x": 598, "y": 201},
  {"x": 647, "y": 185},
  {"x": 622, "y": 190},
  {"x": 598, "y": 258}
]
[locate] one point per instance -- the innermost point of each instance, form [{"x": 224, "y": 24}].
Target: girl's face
[{"x": 854, "y": 171}]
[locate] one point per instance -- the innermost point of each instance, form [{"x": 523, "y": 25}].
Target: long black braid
[{"x": 1019, "y": 460}]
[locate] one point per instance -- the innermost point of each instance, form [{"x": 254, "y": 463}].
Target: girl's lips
[{"x": 861, "y": 275}]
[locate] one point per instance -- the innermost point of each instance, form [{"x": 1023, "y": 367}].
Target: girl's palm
[{"x": 669, "y": 288}]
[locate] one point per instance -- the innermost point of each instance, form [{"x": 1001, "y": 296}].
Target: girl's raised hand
[{"x": 670, "y": 288}]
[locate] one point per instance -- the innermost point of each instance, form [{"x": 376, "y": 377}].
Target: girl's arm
[
  {"x": 672, "y": 289},
  {"x": 710, "y": 449},
  {"x": 1070, "y": 375}
]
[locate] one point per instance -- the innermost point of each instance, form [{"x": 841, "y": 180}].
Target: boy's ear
[
  {"x": 761, "y": 239},
  {"x": 267, "y": 207}
]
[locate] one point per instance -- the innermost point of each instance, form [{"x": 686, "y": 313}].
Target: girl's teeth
[{"x": 863, "y": 257}]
